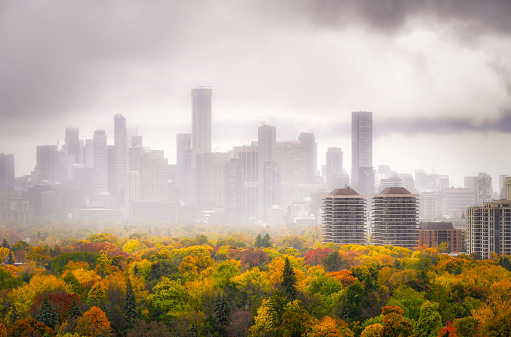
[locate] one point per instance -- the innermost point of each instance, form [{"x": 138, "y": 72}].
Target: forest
[{"x": 195, "y": 281}]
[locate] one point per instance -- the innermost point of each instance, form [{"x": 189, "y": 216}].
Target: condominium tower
[
  {"x": 395, "y": 218},
  {"x": 344, "y": 216}
]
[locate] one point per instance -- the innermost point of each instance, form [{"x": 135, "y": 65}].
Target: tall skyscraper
[
  {"x": 7, "y": 178},
  {"x": 73, "y": 144},
  {"x": 201, "y": 120},
  {"x": 311, "y": 154},
  {"x": 100, "y": 158},
  {"x": 334, "y": 170},
  {"x": 47, "y": 163},
  {"x": 267, "y": 169},
  {"x": 153, "y": 178},
  {"x": 120, "y": 155},
  {"x": 201, "y": 134},
  {"x": 362, "y": 151},
  {"x": 184, "y": 167}
]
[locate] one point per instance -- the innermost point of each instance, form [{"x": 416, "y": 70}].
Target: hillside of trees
[{"x": 243, "y": 284}]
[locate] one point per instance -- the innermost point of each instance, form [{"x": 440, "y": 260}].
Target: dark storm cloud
[
  {"x": 383, "y": 127},
  {"x": 387, "y": 16}
]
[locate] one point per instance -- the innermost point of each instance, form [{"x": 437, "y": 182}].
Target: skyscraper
[
  {"x": 201, "y": 120},
  {"x": 362, "y": 151},
  {"x": 120, "y": 155},
  {"x": 267, "y": 169},
  {"x": 184, "y": 167},
  {"x": 100, "y": 158},
  {"x": 311, "y": 154},
  {"x": 334, "y": 170},
  {"x": 201, "y": 134},
  {"x": 7, "y": 177},
  {"x": 73, "y": 143}
]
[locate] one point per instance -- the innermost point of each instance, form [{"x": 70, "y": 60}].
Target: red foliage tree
[
  {"x": 317, "y": 254},
  {"x": 29, "y": 327}
]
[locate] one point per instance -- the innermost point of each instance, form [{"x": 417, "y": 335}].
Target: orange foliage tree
[{"x": 93, "y": 323}]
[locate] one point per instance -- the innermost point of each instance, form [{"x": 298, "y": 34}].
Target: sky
[{"x": 435, "y": 73}]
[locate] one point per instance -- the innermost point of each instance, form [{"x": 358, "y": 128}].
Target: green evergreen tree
[
  {"x": 102, "y": 306},
  {"x": 211, "y": 327},
  {"x": 10, "y": 258},
  {"x": 258, "y": 241},
  {"x": 222, "y": 309},
  {"x": 266, "y": 241},
  {"x": 6, "y": 244},
  {"x": 289, "y": 280},
  {"x": 47, "y": 314},
  {"x": 74, "y": 311},
  {"x": 130, "y": 311}
]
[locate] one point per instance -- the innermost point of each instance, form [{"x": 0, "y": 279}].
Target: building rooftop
[
  {"x": 436, "y": 225},
  {"x": 395, "y": 190},
  {"x": 344, "y": 191}
]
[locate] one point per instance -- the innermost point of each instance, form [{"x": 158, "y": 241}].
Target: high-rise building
[
  {"x": 344, "y": 217},
  {"x": 483, "y": 188},
  {"x": 7, "y": 177},
  {"x": 489, "y": 226},
  {"x": 267, "y": 169},
  {"x": 362, "y": 151},
  {"x": 153, "y": 178},
  {"x": 395, "y": 218},
  {"x": 120, "y": 155},
  {"x": 213, "y": 180},
  {"x": 47, "y": 164},
  {"x": 234, "y": 192},
  {"x": 311, "y": 154},
  {"x": 184, "y": 167},
  {"x": 334, "y": 171},
  {"x": 73, "y": 147},
  {"x": 100, "y": 159},
  {"x": 201, "y": 134},
  {"x": 248, "y": 157}
]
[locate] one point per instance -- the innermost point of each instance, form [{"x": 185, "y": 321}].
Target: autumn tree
[
  {"x": 394, "y": 324},
  {"x": 47, "y": 314},
  {"x": 332, "y": 262},
  {"x": 430, "y": 320},
  {"x": 29, "y": 327},
  {"x": 149, "y": 329},
  {"x": 93, "y": 323},
  {"x": 295, "y": 321}
]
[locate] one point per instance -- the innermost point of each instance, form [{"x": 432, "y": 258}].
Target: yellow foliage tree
[{"x": 24, "y": 296}]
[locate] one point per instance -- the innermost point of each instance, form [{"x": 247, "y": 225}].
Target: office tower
[
  {"x": 184, "y": 167},
  {"x": 311, "y": 154},
  {"x": 395, "y": 218},
  {"x": 248, "y": 158},
  {"x": 344, "y": 217},
  {"x": 73, "y": 144},
  {"x": 489, "y": 226},
  {"x": 456, "y": 201},
  {"x": 120, "y": 155},
  {"x": 433, "y": 234},
  {"x": 483, "y": 188},
  {"x": 502, "y": 186},
  {"x": 421, "y": 180},
  {"x": 7, "y": 176},
  {"x": 334, "y": 170},
  {"x": 100, "y": 160},
  {"x": 153, "y": 178},
  {"x": 132, "y": 192},
  {"x": 267, "y": 169},
  {"x": 234, "y": 192},
  {"x": 201, "y": 133},
  {"x": 213, "y": 180},
  {"x": 47, "y": 164},
  {"x": 88, "y": 153},
  {"x": 362, "y": 151}
]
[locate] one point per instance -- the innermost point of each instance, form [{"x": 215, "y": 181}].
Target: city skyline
[{"x": 436, "y": 77}]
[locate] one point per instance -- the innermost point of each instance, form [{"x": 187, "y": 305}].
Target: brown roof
[
  {"x": 436, "y": 225},
  {"x": 395, "y": 190},
  {"x": 344, "y": 191}
]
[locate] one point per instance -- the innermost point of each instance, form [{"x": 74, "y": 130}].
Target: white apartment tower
[
  {"x": 120, "y": 155},
  {"x": 100, "y": 160}
]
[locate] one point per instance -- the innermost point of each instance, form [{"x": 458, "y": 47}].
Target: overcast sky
[{"x": 435, "y": 73}]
